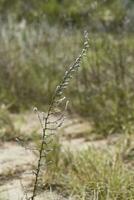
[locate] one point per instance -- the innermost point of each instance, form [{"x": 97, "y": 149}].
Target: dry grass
[{"x": 108, "y": 173}]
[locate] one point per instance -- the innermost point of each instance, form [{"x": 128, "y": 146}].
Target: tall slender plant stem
[{"x": 56, "y": 98}]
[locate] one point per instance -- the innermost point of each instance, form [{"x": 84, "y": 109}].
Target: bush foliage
[
  {"x": 36, "y": 46},
  {"x": 105, "y": 14}
]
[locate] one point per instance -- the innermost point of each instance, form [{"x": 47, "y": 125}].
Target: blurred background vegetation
[{"x": 39, "y": 39}]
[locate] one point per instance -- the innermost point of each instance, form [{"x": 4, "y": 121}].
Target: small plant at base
[{"x": 48, "y": 122}]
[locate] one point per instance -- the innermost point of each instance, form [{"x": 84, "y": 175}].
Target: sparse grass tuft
[{"x": 103, "y": 174}]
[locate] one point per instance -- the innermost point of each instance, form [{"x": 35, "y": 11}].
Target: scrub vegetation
[{"x": 38, "y": 42}]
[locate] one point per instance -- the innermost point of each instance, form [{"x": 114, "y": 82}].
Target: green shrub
[
  {"x": 7, "y": 129},
  {"x": 99, "y": 15},
  {"x": 104, "y": 92},
  {"x": 33, "y": 64}
]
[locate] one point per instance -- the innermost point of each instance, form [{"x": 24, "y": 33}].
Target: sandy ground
[{"x": 16, "y": 163}]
